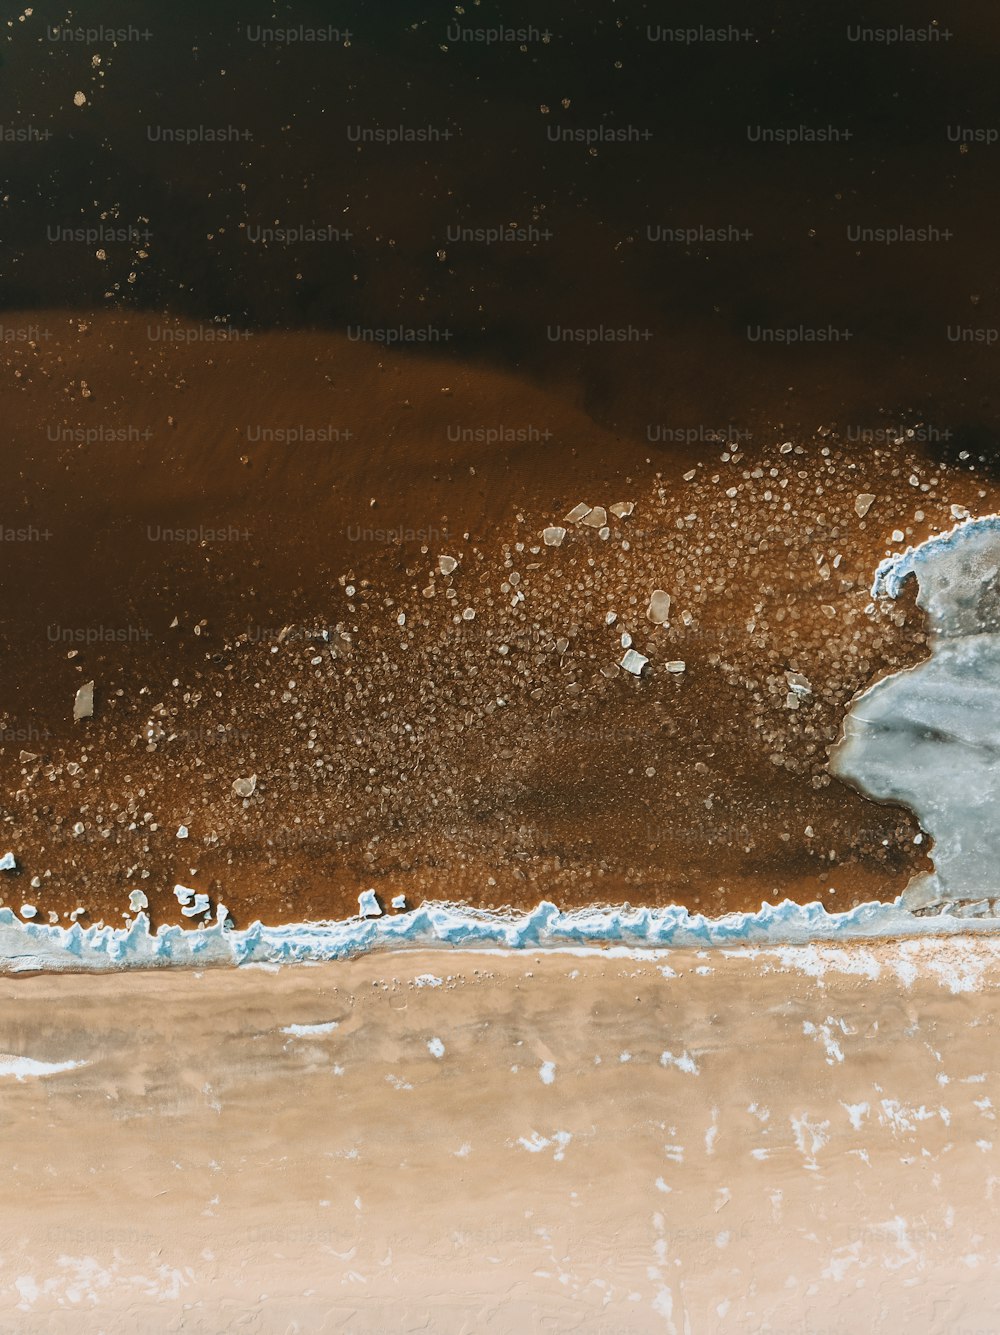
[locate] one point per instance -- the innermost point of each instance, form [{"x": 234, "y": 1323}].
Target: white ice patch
[
  {"x": 684, "y": 1062},
  {"x": 928, "y": 737},
  {"x": 435, "y": 1047},
  {"x": 810, "y": 1138},
  {"x": 24, "y": 1068},
  {"x": 547, "y": 1072},
  {"x": 856, "y": 1111},
  {"x": 824, "y": 1033},
  {"x": 535, "y": 1143},
  {"x": 311, "y": 1030}
]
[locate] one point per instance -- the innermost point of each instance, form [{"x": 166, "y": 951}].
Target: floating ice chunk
[
  {"x": 435, "y": 1047},
  {"x": 8, "y": 862},
  {"x": 83, "y": 703},
  {"x": 28, "y": 911},
  {"x": 597, "y": 518},
  {"x": 182, "y": 832},
  {"x": 553, "y": 536},
  {"x": 368, "y": 904},
  {"x": 633, "y": 662},
  {"x": 658, "y": 610},
  {"x": 200, "y": 905},
  {"x": 928, "y": 737},
  {"x": 137, "y": 900},
  {"x": 622, "y": 508},
  {"x": 399, "y": 901},
  {"x": 577, "y": 513},
  {"x": 447, "y": 564},
  {"x": 183, "y": 894},
  {"x": 21, "y": 1068},
  {"x": 863, "y": 504},
  {"x": 677, "y": 665},
  {"x": 245, "y": 787}
]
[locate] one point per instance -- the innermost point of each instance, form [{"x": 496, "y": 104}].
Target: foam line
[{"x": 29, "y": 946}]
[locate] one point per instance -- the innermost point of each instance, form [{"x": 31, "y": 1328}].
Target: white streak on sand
[{"x": 23, "y": 1068}]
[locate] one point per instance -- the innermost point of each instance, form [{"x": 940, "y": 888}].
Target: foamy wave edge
[{"x": 29, "y": 947}]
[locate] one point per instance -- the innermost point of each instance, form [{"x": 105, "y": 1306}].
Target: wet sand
[
  {"x": 319, "y": 647},
  {"x": 797, "y": 1139}
]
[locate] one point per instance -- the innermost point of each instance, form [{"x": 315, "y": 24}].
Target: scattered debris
[
  {"x": 552, "y": 537},
  {"x": 447, "y": 564},
  {"x": 863, "y": 504},
  {"x": 621, "y": 509},
  {"x": 597, "y": 518},
  {"x": 8, "y": 862},
  {"x": 677, "y": 665},
  {"x": 137, "y": 900},
  {"x": 245, "y": 787}
]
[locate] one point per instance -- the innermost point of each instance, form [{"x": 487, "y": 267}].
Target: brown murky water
[{"x": 463, "y": 735}]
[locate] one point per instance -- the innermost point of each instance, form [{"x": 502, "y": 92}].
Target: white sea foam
[{"x": 28, "y": 946}]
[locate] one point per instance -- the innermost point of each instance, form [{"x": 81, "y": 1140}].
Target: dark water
[{"x": 646, "y": 133}]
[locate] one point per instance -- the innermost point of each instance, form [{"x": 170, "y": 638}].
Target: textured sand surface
[{"x": 801, "y": 1139}]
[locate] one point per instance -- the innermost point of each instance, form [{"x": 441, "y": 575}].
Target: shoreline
[{"x": 607, "y": 931}]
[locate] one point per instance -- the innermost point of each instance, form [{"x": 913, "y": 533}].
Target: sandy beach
[{"x": 792, "y": 1139}]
